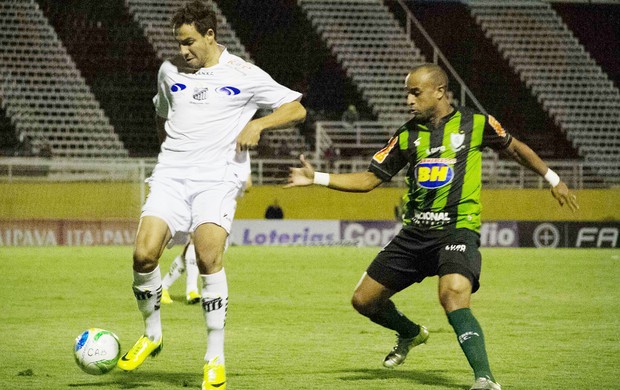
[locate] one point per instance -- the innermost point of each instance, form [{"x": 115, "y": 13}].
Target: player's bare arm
[
  {"x": 284, "y": 116},
  {"x": 525, "y": 156},
  {"x": 346, "y": 182}
]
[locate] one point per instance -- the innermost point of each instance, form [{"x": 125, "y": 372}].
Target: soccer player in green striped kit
[{"x": 443, "y": 146}]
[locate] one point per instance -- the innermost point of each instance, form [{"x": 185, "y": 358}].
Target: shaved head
[{"x": 431, "y": 73}]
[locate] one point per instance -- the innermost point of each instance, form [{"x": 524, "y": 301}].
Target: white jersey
[{"x": 206, "y": 110}]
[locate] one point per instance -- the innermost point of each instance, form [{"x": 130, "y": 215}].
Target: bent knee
[
  {"x": 363, "y": 305},
  {"x": 453, "y": 299},
  {"x": 144, "y": 259}
]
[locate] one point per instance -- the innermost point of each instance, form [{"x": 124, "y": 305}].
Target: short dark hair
[{"x": 202, "y": 16}]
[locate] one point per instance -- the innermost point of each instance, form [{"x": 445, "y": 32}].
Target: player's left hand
[
  {"x": 564, "y": 196},
  {"x": 249, "y": 136}
]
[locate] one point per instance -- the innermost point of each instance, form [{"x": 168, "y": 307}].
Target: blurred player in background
[
  {"x": 183, "y": 263},
  {"x": 443, "y": 146},
  {"x": 205, "y": 102}
]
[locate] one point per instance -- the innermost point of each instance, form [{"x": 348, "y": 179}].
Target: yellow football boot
[
  {"x": 214, "y": 375},
  {"x": 165, "y": 297},
  {"x": 139, "y": 352},
  {"x": 191, "y": 298}
]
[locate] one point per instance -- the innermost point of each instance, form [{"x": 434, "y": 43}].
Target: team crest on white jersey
[
  {"x": 201, "y": 93},
  {"x": 456, "y": 141}
]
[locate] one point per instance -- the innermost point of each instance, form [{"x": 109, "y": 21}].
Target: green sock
[
  {"x": 469, "y": 335},
  {"x": 391, "y": 318}
]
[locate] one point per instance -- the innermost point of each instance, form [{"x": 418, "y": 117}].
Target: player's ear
[
  {"x": 210, "y": 33},
  {"x": 440, "y": 92}
]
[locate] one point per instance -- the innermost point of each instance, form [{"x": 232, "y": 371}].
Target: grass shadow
[
  {"x": 137, "y": 380},
  {"x": 421, "y": 377}
]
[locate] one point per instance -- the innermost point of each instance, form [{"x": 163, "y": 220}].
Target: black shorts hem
[
  {"x": 455, "y": 268},
  {"x": 388, "y": 277}
]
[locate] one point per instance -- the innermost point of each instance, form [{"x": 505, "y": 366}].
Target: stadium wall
[{"x": 120, "y": 201}]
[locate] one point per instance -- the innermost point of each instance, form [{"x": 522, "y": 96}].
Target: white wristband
[
  {"x": 552, "y": 178},
  {"x": 321, "y": 178}
]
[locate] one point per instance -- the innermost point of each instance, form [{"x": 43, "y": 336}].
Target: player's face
[
  {"x": 194, "y": 48},
  {"x": 421, "y": 95}
]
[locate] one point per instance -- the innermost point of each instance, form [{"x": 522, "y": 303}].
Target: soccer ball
[{"x": 96, "y": 351}]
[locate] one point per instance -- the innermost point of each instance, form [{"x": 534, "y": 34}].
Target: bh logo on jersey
[{"x": 434, "y": 173}]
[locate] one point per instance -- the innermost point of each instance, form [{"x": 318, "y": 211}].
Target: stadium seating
[
  {"x": 9, "y": 142},
  {"x": 362, "y": 138},
  {"x": 568, "y": 83},
  {"x": 43, "y": 93},
  {"x": 116, "y": 61},
  {"x": 154, "y": 18},
  {"x": 371, "y": 46},
  {"x": 57, "y": 96}
]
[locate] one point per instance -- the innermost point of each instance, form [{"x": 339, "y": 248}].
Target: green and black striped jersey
[{"x": 444, "y": 177}]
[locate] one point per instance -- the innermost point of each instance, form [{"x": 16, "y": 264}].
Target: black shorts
[{"x": 415, "y": 254}]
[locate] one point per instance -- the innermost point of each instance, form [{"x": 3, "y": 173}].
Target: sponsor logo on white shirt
[
  {"x": 177, "y": 87},
  {"x": 228, "y": 90}
]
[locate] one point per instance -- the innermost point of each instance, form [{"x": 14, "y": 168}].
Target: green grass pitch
[{"x": 551, "y": 320}]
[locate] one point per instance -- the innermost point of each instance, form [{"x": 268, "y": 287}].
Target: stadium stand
[
  {"x": 333, "y": 52},
  {"x": 568, "y": 83},
  {"x": 117, "y": 62},
  {"x": 353, "y": 141},
  {"x": 283, "y": 41},
  {"x": 8, "y": 134},
  {"x": 371, "y": 46},
  {"x": 154, "y": 18},
  {"x": 603, "y": 41},
  {"x": 44, "y": 95}
]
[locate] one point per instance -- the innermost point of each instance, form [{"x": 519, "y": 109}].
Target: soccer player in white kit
[{"x": 205, "y": 102}]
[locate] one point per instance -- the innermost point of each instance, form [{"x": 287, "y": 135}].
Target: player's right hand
[{"x": 303, "y": 176}]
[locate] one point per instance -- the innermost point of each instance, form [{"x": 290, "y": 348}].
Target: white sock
[
  {"x": 147, "y": 290},
  {"x": 214, "y": 306},
  {"x": 176, "y": 269},
  {"x": 192, "y": 269}
]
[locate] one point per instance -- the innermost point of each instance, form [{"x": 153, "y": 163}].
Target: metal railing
[
  {"x": 363, "y": 136},
  {"x": 496, "y": 173}
]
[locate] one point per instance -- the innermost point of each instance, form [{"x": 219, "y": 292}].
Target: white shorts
[{"x": 186, "y": 204}]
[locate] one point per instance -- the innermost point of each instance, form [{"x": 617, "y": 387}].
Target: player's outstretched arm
[
  {"x": 347, "y": 182},
  {"x": 525, "y": 156}
]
